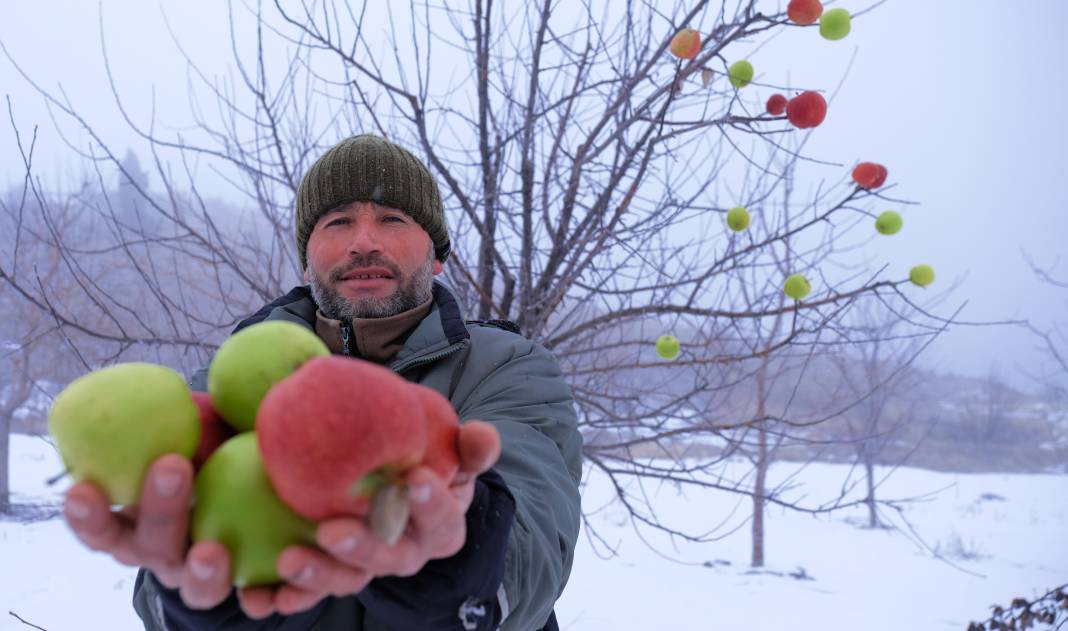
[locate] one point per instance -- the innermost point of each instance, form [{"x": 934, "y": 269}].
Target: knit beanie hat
[{"x": 369, "y": 168}]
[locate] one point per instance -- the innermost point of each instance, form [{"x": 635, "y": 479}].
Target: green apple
[
  {"x": 667, "y": 346},
  {"x": 797, "y": 286},
  {"x": 834, "y": 24},
  {"x": 922, "y": 275},
  {"x": 741, "y": 73},
  {"x": 738, "y": 219},
  {"x": 112, "y": 423},
  {"x": 237, "y": 506},
  {"x": 888, "y": 222},
  {"x": 254, "y": 359}
]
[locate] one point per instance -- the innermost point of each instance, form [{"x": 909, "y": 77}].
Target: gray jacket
[{"x": 493, "y": 375}]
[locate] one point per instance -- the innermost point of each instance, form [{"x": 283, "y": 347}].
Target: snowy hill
[{"x": 1001, "y": 536}]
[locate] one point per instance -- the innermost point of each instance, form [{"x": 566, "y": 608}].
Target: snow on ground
[{"x": 1003, "y": 535}]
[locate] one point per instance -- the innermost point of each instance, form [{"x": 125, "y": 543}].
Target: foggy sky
[{"x": 961, "y": 99}]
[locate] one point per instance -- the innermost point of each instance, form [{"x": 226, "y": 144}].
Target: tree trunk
[
  {"x": 758, "y": 501},
  {"x": 5, "y": 433},
  {"x": 873, "y": 517},
  {"x": 761, "y": 471}
]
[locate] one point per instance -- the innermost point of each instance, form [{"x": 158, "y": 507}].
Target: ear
[
  {"x": 439, "y": 267},
  {"x": 307, "y": 275}
]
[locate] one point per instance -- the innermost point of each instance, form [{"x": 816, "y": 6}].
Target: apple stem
[{"x": 56, "y": 478}]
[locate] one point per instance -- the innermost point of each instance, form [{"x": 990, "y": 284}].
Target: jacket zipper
[
  {"x": 426, "y": 359},
  {"x": 346, "y": 334}
]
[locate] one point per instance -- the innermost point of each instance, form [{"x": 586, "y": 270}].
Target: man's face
[{"x": 369, "y": 261}]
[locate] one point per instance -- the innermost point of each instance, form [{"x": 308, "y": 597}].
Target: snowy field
[{"x": 1002, "y": 535}]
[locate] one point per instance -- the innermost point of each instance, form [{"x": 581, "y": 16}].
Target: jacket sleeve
[
  {"x": 162, "y": 609},
  {"x": 458, "y": 593},
  {"x": 527, "y": 399}
]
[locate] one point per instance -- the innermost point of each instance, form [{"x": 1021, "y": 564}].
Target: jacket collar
[{"x": 440, "y": 333}]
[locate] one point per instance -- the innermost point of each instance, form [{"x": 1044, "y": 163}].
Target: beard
[{"x": 410, "y": 293}]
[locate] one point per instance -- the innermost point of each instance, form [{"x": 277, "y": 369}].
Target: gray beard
[{"x": 410, "y": 292}]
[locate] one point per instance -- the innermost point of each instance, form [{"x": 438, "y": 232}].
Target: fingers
[
  {"x": 163, "y": 512},
  {"x": 315, "y": 572},
  {"x": 256, "y": 602},
  {"x": 88, "y": 514},
  {"x": 352, "y": 542},
  {"x": 206, "y": 575},
  {"x": 480, "y": 447},
  {"x": 437, "y": 516}
]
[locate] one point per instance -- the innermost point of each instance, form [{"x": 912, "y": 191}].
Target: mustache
[{"x": 354, "y": 264}]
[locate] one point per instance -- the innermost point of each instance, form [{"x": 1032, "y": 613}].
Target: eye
[
  {"x": 337, "y": 222},
  {"x": 393, "y": 218}
]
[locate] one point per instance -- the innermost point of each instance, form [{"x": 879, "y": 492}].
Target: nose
[{"x": 364, "y": 237}]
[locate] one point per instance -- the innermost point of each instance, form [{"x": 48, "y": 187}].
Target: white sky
[{"x": 961, "y": 99}]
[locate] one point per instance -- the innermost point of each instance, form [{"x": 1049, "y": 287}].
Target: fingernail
[
  {"x": 305, "y": 575},
  {"x": 78, "y": 509},
  {"x": 419, "y": 493},
  {"x": 166, "y": 483},
  {"x": 346, "y": 545},
  {"x": 201, "y": 571},
  {"x": 462, "y": 478}
]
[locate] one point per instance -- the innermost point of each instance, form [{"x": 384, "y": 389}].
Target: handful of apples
[{"x": 286, "y": 436}]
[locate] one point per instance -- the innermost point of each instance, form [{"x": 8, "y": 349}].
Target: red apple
[
  {"x": 869, "y": 175},
  {"x": 214, "y": 431},
  {"x": 776, "y": 105},
  {"x": 442, "y": 433},
  {"x": 336, "y": 431},
  {"x": 686, "y": 43},
  {"x": 804, "y": 12},
  {"x": 806, "y": 110}
]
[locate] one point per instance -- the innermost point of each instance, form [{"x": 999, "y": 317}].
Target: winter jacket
[{"x": 522, "y": 524}]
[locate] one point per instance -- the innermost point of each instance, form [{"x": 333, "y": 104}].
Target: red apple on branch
[
  {"x": 686, "y": 43},
  {"x": 804, "y": 12},
  {"x": 869, "y": 175},
  {"x": 806, "y": 110},
  {"x": 776, "y": 105}
]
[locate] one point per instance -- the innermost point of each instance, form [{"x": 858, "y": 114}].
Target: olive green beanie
[{"x": 369, "y": 168}]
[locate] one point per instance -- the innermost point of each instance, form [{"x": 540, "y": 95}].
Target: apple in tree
[
  {"x": 922, "y": 275},
  {"x": 251, "y": 361},
  {"x": 337, "y": 431},
  {"x": 869, "y": 175},
  {"x": 806, "y": 110},
  {"x": 686, "y": 43},
  {"x": 738, "y": 218},
  {"x": 776, "y": 105},
  {"x": 111, "y": 424},
  {"x": 236, "y": 506},
  {"x": 668, "y": 347},
  {"x": 834, "y": 24},
  {"x": 888, "y": 222},
  {"x": 797, "y": 286},
  {"x": 804, "y": 12},
  {"x": 741, "y": 73}
]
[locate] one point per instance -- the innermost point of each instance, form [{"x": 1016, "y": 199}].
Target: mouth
[{"x": 367, "y": 277}]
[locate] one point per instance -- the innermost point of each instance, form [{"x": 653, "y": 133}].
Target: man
[{"x": 491, "y": 548}]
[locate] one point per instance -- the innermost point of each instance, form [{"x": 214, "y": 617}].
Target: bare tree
[
  {"x": 1053, "y": 338},
  {"x": 877, "y": 372},
  {"x": 585, "y": 171}
]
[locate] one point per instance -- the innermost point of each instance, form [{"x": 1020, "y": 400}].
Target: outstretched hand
[
  {"x": 352, "y": 555},
  {"x": 155, "y": 533}
]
